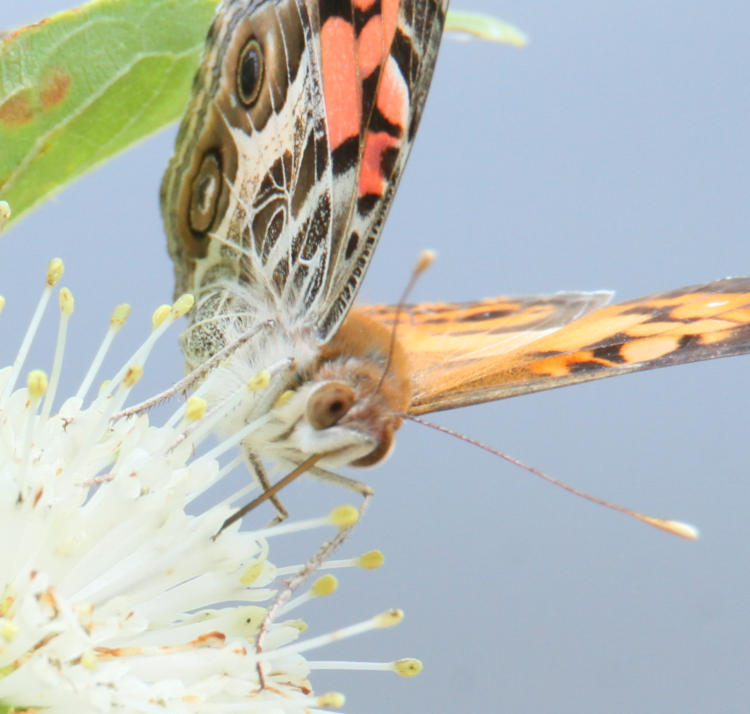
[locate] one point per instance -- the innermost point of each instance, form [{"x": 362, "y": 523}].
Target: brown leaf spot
[
  {"x": 24, "y": 105},
  {"x": 54, "y": 88},
  {"x": 17, "y": 110}
]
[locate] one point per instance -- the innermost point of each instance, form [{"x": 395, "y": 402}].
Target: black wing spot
[
  {"x": 250, "y": 69},
  {"x": 335, "y": 8},
  {"x": 345, "y": 155},
  {"x": 351, "y": 246},
  {"x": 366, "y": 203}
]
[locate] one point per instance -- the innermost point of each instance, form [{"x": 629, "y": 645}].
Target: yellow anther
[
  {"x": 183, "y": 304},
  {"x": 55, "y": 270},
  {"x": 67, "y": 303},
  {"x": 344, "y": 516},
  {"x": 259, "y": 381},
  {"x": 252, "y": 572},
  {"x": 324, "y": 585},
  {"x": 407, "y": 667},
  {"x": 388, "y": 618},
  {"x": 84, "y": 610},
  {"x": 332, "y": 700},
  {"x": 160, "y": 314},
  {"x": 134, "y": 373},
  {"x": 5, "y": 604},
  {"x": 8, "y": 629},
  {"x": 299, "y": 625},
  {"x": 284, "y": 398},
  {"x": 37, "y": 383},
  {"x": 89, "y": 660},
  {"x": 370, "y": 560},
  {"x": 68, "y": 546},
  {"x": 2, "y": 303},
  {"x": 4, "y": 214},
  {"x": 119, "y": 315},
  {"x": 195, "y": 408}
]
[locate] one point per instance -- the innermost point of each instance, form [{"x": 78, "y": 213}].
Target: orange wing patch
[{"x": 464, "y": 354}]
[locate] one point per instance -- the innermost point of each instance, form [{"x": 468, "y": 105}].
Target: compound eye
[
  {"x": 250, "y": 72},
  {"x": 328, "y": 403}
]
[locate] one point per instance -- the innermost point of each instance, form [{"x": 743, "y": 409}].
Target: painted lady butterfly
[{"x": 302, "y": 116}]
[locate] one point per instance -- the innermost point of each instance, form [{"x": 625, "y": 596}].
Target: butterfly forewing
[
  {"x": 300, "y": 122},
  {"x": 395, "y": 45},
  {"x": 461, "y": 354}
]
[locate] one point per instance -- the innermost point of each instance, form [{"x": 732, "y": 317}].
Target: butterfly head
[{"x": 349, "y": 407}]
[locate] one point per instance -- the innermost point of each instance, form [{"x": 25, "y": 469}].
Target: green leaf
[{"x": 81, "y": 86}]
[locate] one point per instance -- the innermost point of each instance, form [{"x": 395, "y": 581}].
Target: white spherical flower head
[{"x": 112, "y": 596}]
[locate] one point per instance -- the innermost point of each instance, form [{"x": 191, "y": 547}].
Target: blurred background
[{"x": 612, "y": 152}]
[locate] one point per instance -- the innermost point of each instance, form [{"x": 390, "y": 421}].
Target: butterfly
[{"x": 301, "y": 119}]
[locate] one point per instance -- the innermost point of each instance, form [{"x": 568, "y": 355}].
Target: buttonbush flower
[{"x": 113, "y": 595}]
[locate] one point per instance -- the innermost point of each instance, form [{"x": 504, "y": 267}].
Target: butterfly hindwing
[
  {"x": 468, "y": 353},
  {"x": 246, "y": 197}
]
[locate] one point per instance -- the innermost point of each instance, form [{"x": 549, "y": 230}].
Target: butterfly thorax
[{"x": 226, "y": 309}]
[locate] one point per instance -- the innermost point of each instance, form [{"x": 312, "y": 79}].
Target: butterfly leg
[
  {"x": 256, "y": 467},
  {"x": 190, "y": 380},
  {"x": 351, "y": 484},
  {"x": 269, "y": 493},
  {"x": 312, "y": 566}
]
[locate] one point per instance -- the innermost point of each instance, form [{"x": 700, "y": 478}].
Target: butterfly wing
[
  {"x": 395, "y": 43},
  {"x": 297, "y": 131},
  {"x": 468, "y": 353}
]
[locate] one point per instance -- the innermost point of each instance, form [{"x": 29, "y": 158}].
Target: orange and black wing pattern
[{"x": 461, "y": 354}]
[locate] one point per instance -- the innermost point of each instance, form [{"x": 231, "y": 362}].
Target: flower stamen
[
  {"x": 162, "y": 319},
  {"x": 406, "y": 667},
  {"x": 116, "y": 321},
  {"x": 36, "y": 384},
  {"x": 67, "y": 305},
  {"x": 386, "y": 619},
  {"x": 55, "y": 270},
  {"x": 333, "y": 518}
]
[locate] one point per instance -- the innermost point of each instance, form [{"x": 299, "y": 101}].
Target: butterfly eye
[
  {"x": 250, "y": 72},
  {"x": 328, "y": 403},
  {"x": 206, "y": 189}
]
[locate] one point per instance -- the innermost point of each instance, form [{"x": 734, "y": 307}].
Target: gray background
[{"x": 611, "y": 153}]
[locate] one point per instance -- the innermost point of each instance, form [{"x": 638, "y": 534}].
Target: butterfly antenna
[
  {"x": 425, "y": 260},
  {"x": 678, "y": 528}
]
